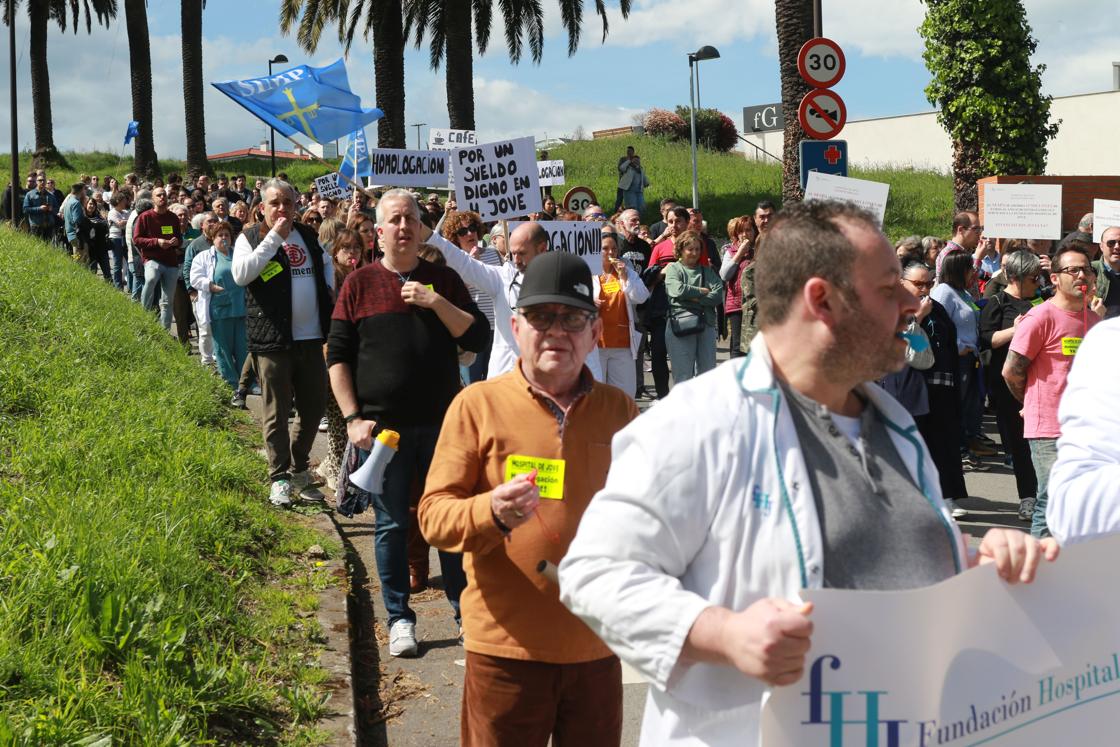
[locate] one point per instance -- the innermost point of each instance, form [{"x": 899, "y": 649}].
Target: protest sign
[
  {"x": 333, "y": 187},
  {"x": 972, "y": 660},
  {"x": 497, "y": 180},
  {"x": 871, "y": 196},
  {"x": 408, "y": 168},
  {"x": 444, "y": 139},
  {"x": 576, "y": 237},
  {"x": 550, "y": 173},
  {"x": 1106, "y": 214},
  {"x": 1022, "y": 211}
]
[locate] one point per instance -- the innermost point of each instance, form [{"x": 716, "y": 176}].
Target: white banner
[
  {"x": 444, "y": 139},
  {"x": 497, "y": 180},
  {"x": 580, "y": 238},
  {"x": 871, "y": 196},
  {"x": 970, "y": 661},
  {"x": 333, "y": 187},
  {"x": 1106, "y": 214},
  {"x": 1022, "y": 211},
  {"x": 550, "y": 173},
  {"x": 408, "y": 168}
]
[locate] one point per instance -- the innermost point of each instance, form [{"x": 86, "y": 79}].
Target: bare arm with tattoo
[{"x": 1015, "y": 373}]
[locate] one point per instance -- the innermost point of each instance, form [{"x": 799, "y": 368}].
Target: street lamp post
[
  {"x": 271, "y": 132},
  {"x": 418, "y": 125},
  {"x": 704, "y": 53},
  {"x": 12, "y": 116}
]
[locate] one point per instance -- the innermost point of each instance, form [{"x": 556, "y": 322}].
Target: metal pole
[
  {"x": 418, "y": 126},
  {"x": 272, "y": 133},
  {"x": 817, "y": 19},
  {"x": 692, "y": 117},
  {"x": 12, "y": 87}
]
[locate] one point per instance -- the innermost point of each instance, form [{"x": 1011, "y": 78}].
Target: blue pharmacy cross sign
[{"x": 826, "y": 156}]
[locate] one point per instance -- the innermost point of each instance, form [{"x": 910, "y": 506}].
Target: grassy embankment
[
  {"x": 920, "y": 202},
  {"x": 149, "y": 593}
]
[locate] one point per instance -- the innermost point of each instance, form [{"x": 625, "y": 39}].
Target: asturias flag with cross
[
  {"x": 355, "y": 162},
  {"x": 312, "y": 101}
]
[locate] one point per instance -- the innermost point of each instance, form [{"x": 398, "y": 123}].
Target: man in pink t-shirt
[{"x": 1040, "y": 357}]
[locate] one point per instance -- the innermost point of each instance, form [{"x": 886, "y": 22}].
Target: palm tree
[
  {"x": 381, "y": 22},
  {"x": 40, "y": 12},
  {"x": 448, "y": 22},
  {"x": 794, "y": 20},
  {"x": 140, "y": 61},
  {"x": 191, "y": 20}
]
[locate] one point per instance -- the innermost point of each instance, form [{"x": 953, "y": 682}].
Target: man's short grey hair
[
  {"x": 198, "y": 220},
  {"x": 277, "y": 183},
  {"x": 144, "y": 194},
  {"x": 224, "y": 201},
  {"x": 1020, "y": 264},
  {"x": 1086, "y": 222},
  {"x": 397, "y": 194},
  {"x": 143, "y": 203},
  {"x": 909, "y": 243}
]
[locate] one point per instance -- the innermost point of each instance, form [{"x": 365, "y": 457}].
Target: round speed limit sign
[
  {"x": 578, "y": 198},
  {"x": 821, "y": 62}
]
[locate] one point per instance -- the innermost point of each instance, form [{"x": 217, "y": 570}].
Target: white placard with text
[
  {"x": 497, "y": 180},
  {"x": 871, "y": 196},
  {"x": 1023, "y": 211}
]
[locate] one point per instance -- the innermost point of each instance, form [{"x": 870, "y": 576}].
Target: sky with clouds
[{"x": 642, "y": 64}]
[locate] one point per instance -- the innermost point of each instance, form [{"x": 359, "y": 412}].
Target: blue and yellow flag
[
  {"x": 355, "y": 161},
  {"x": 312, "y": 101},
  {"x": 133, "y": 130}
]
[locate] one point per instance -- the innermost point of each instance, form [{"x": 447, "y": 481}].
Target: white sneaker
[
  {"x": 323, "y": 426},
  {"x": 402, "y": 639},
  {"x": 281, "y": 494},
  {"x": 304, "y": 486},
  {"x": 954, "y": 509}
]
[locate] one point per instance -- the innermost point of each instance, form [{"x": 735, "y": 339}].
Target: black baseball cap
[{"x": 557, "y": 277}]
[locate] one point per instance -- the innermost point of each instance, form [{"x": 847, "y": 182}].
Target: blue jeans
[
  {"x": 972, "y": 402},
  {"x": 634, "y": 198},
  {"x": 1044, "y": 452},
  {"x": 408, "y": 471},
  {"x": 691, "y": 355},
  {"x": 117, "y": 260},
  {"x": 162, "y": 278},
  {"x": 134, "y": 277}
]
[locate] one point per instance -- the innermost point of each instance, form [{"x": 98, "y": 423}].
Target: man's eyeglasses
[
  {"x": 465, "y": 230},
  {"x": 598, "y": 216},
  {"x": 1071, "y": 271},
  {"x": 1112, "y": 243},
  {"x": 977, "y": 228},
  {"x": 570, "y": 321}
]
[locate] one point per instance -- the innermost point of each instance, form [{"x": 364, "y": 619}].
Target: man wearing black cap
[{"x": 533, "y": 441}]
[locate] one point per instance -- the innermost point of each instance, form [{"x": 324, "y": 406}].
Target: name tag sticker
[
  {"x": 550, "y": 473},
  {"x": 167, "y": 230},
  {"x": 612, "y": 287},
  {"x": 1070, "y": 345},
  {"x": 271, "y": 270},
  {"x": 430, "y": 287}
]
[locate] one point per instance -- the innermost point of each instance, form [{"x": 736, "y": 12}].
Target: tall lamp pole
[
  {"x": 271, "y": 132},
  {"x": 418, "y": 125},
  {"x": 704, "y": 53},
  {"x": 12, "y": 116}
]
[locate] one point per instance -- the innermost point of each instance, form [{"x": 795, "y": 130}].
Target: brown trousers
[
  {"x": 298, "y": 371},
  {"x": 514, "y": 703}
]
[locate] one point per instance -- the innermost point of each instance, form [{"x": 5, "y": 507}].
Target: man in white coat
[{"x": 772, "y": 473}]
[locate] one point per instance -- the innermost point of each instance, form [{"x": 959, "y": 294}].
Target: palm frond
[{"x": 483, "y": 17}]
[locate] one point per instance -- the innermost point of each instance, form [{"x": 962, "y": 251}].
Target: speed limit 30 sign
[{"x": 821, "y": 62}]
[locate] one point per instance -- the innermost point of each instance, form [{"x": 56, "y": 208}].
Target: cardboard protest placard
[
  {"x": 1106, "y": 214},
  {"x": 443, "y": 139},
  {"x": 497, "y": 180},
  {"x": 408, "y": 168},
  {"x": 333, "y": 187},
  {"x": 1022, "y": 211},
  {"x": 871, "y": 196},
  {"x": 550, "y": 173},
  {"x": 580, "y": 238},
  {"x": 912, "y": 667}
]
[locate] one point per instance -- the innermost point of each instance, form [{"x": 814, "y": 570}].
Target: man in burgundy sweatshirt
[{"x": 160, "y": 240}]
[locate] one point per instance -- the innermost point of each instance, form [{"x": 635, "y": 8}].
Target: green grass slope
[{"x": 138, "y": 553}]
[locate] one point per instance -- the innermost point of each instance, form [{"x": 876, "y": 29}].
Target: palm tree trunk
[
  {"x": 191, "y": 19},
  {"x": 458, "y": 65},
  {"x": 46, "y": 154},
  {"x": 795, "y": 27},
  {"x": 388, "y": 73},
  {"x": 140, "y": 60}
]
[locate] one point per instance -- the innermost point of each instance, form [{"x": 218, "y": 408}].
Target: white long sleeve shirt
[
  {"x": 1085, "y": 480},
  {"x": 503, "y": 284}
]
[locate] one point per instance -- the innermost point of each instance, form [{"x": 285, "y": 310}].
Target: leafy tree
[
  {"x": 40, "y": 12},
  {"x": 987, "y": 92},
  {"x": 140, "y": 62},
  {"x": 664, "y": 123},
  {"x": 714, "y": 129},
  {"x": 382, "y": 22},
  {"x": 191, "y": 20},
  {"x": 794, "y": 19}
]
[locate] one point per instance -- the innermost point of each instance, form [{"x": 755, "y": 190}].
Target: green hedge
[{"x": 136, "y": 541}]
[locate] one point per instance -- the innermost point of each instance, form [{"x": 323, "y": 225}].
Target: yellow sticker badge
[
  {"x": 271, "y": 270},
  {"x": 167, "y": 230},
  {"x": 550, "y": 473},
  {"x": 1070, "y": 345},
  {"x": 611, "y": 287}
]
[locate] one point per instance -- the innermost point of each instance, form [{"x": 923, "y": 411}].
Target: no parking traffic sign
[
  {"x": 821, "y": 62},
  {"x": 822, "y": 114}
]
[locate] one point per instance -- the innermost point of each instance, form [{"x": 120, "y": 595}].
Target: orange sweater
[{"x": 510, "y": 610}]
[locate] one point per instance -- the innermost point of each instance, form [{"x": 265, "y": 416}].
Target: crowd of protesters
[{"x": 376, "y": 313}]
